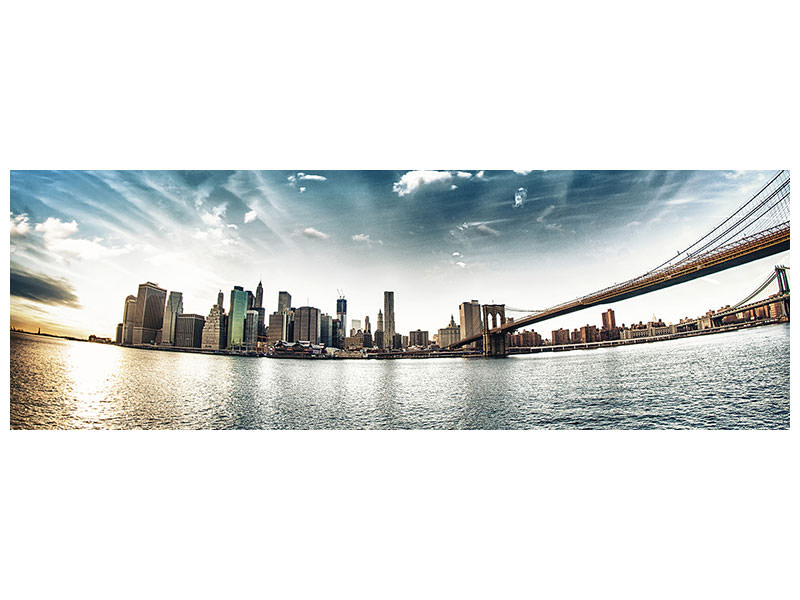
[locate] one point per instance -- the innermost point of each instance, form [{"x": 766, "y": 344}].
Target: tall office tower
[
  {"x": 174, "y": 308},
  {"x": 118, "y": 339},
  {"x": 221, "y": 300},
  {"x": 326, "y": 330},
  {"x": 128, "y": 317},
  {"x": 262, "y": 330},
  {"x": 388, "y": 316},
  {"x": 355, "y": 325},
  {"x": 471, "y": 322},
  {"x": 251, "y": 300},
  {"x": 397, "y": 341},
  {"x": 379, "y": 339},
  {"x": 341, "y": 314},
  {"x": 609, "y": 322},
  {"x": 450, "y": 334},
  {"x": 259, "y": 295},
  {"x": 236, "y": 316},
  {"x": 337, "y": 339},
  {"x": 367, "y": 340},
  {"x": 189, "y": 330},
  {"x": 418, "y": 338},
  {"x": 215, "y": 331},
  {"x": 275, "y": 329},
  {"x": 306, "y": 325},
  {"x": 284, "y": 301},
  {"x": 366, "y": 324},
  {"x": 251, "y": 329},
  {"x": 149, "y": 313}
]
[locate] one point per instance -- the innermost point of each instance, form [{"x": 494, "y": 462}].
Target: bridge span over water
[{"x": 759, "y": 228}]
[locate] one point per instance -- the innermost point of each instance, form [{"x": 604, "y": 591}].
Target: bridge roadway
[
  {"x": 744, "y": 250},
  {"x": 738, "y": 309}
]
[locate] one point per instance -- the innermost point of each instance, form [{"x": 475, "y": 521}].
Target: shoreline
[{"x": 445, "y": 354}]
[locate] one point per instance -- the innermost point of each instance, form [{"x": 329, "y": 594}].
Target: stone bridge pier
[{"x": 494, "y": 344}]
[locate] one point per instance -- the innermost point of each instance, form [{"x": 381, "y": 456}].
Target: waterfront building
[
  {"x": 259, "y": 295},
  {"x": 652, "y": 329},
  {"x": 388, "y": 316},
  {"x": 341, "y": 315},
  {"x": 379, "y": 344},
  {"x": 397, "y": 342},
  {"x": 149, "y": 313},
  {"x": 251, "y": 329},
  {"x": 418, "y": 338},
  {"x": 275, "y": 329},
  {"x": 173, "y": 309},
  {"x": 450, "y": 334},
  {"x": 378, "y": 341},
  {"x": 589, "y": 334},
  {"x": 326, "y": 330},
  {"x": 471, "y": 321},
  {"x": 366, "y": 324},
  {"x": 367, "y": 339},
  {"x": 354, "y": 342},
  {"x": 189, "y": 330},
  {"x": 128, "y": 318},
  {"x": 118, "y": 339},
  {"x": 355, "y": 325},
  {"x": 284, "y": 302},
  {"x": 575, "y": 337},
  {"x": 236, "y": 316},
  {"x": 609, "y": 322},
  {"x": 306, "y": 325},
  {"x": 215, "y": 330},
  {"x": 560, "y": 337},
  {"x": 262, "y": 328}
]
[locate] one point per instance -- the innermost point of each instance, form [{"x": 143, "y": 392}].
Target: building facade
[
  {"x": 173, "y": 309},
  {"x": 418, "y": 338},
  {"x": 236, "y": 316},
  {"x": 388, "y": 318},
  {"x": 306, "y": 324},
  {"x": 149, "y": 313},
  {"x": 471, "y": 322},
  {"x": 128, "y": 320},
  {"x": 189, "y": 330},
  {"x": 450, "y": 334},
  {"x": 215, "y": 330}
]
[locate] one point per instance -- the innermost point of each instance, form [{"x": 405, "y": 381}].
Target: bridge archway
[{"x": 494, "y": 344}]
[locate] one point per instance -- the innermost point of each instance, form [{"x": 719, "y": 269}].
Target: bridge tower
[
  {"x": 783, "y": 286},
  {"x": 494, "y": 344}
]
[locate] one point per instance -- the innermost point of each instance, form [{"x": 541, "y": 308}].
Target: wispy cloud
[
  {"x": 364, "y": 238},
  {"x": 315, "y": 233},
  {"x": 545, "y": 213},
  {"x": 250, "y": 216},
  {"x": 294, "y": 180},
  {"x": 521, "y": 172}
]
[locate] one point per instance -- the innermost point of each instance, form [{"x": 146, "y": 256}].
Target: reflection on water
[{"x": 731, "y": 380}]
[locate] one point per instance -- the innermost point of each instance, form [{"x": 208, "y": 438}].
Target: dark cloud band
[{"x": 42, "y": 289}]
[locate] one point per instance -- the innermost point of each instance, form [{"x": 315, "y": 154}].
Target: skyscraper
[
  {"x": 173, "y": 309},
  {"x": 471, "y": 322},
  {"x": 366, "y": 324},
  {"x": 284, "y": 301},
  {"x": 259, "y": 296},
  {"x": 221, "y": 300},
  {"x": 215, "y": 330},
  {"x": 388, "y": 315},
  {"x": 236, "y": 316},
  {"x": 326, "y": 330},
  {"x": 341, "y": 312},
  {"x": 251, "y": 329},
  {"x": 128, "y": 318},
  {"x": 306, "y": 324},
  {"x": 149, "y": 313},
  {"x": 189, "y": 330},
  {"x": 450, "y": 334},
  {"x": 379, "y": 340},
  {"x": 609, "y": 322}
]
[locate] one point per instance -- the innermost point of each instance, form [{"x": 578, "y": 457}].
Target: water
[{"x": 724, "y": 381}]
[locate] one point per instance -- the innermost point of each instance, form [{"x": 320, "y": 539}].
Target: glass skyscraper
[{"x": 236, "y": 316}]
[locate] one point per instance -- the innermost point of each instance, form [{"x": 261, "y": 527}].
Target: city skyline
[{"x": 436, "y": 238}]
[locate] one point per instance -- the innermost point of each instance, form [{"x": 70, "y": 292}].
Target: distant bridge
[{"x": 759, "y": 228}]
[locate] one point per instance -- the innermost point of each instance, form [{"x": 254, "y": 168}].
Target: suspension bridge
[{"x": 758, "y": 228}]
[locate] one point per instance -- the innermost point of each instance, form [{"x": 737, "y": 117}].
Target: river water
[{"x": 725, "y": 381}]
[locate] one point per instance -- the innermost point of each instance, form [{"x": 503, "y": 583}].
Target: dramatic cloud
[
  {"x": 42, "y": 289},
  {"x": 19, "y": 225},
  {"x": 364, "y": 238},
  {"x": 294, "y": 180},
  {"x": 416, "y": 180},
  {"x": 520, "y": 196},
  {"x": 521, "y": 172},
  {"x": 250, "y": 216},
  {"x": 314, "y": 233},
  {"x": 57, "y": 240},
  {"x": 215, "y": 216}
]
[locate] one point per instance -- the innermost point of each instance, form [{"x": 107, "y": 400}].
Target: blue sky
[{"x": 82, "y": 241}]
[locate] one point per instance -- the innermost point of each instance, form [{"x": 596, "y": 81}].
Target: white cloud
[
  {"x": 479, "y": 175},
  {"x": 453, "y": 186},
  {"x": 486, "y": 230},
  {"x": 679, "y": 201},
  {"x": 250, "y": 216},
  {"x": 461, "y": 265},
  {"x": 521, "y": 172},
  {"x": 634, "y": 224},
  {"x": 232, "y": 226},
  {"x": 457, "y": 254},
  {"x": 54, "y": 228},
  {"x": 300, "y": 176},
  {"x": 302, "y": 189},
  {"x": 214, "y": 217},
  {"x": 364, "y": 238},
  {"x": 554, "y": 226},
  {"x": 19, "y": 225},
  {"x": 415, "y": 180},
  {"x": 314, "y": 233},
  {"x": 520, "y": 196},
  {"x": 312, "y": 178}
]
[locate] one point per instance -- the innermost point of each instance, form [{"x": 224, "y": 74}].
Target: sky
[{"x": 81, "y": 241}]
